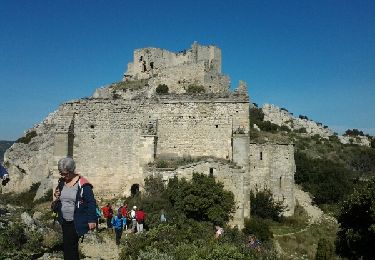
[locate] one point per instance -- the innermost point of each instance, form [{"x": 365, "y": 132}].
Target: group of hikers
[
  {"x": 123, "y": 219},
  {"x": 76, "y": 209}
]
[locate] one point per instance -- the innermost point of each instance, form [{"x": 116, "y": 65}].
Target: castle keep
[{"x": 116, "y": 135}]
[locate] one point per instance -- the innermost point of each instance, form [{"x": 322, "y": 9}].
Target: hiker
[
  {"x": 163, "y": 218},
  {"x": 108, "y": 214},
  {"x": 98, "y": 217},
  {"x": 254, "y": 243},
  {"x": 118, "y": 223},
  {"x": 140, "y": 217},
  {"x": 124, "y": 212},
  {"x": 219, "y": 232},
  {"x": 133, "y": 218},
  {"x": 4, "y": 176},
  {"x": 75, "y": 205}
]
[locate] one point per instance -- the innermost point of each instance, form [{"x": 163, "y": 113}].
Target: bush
[
  {"x": 372, "y": 143},
  {"x": 264, "y": 206},
  {"x": 356, "y": 237},
  {"x": 27, "y": 138},
  {"x": 201, "y": 199},
  {"x": 193, "y": 89},
  {"x": 324, "y": 250},
  {"x": 162, "y": 89},
  {"x": 354, "y": 132},
  {"x": 258, "y": 227},
  {"x": 268, "y": 126},
  {"x": 326, "y": 180},
  {"x": 24, "y": 199},
  {"x": 256, "y": 116}
]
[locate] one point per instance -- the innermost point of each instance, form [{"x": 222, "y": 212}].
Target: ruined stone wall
[
  {"x": 233, "y": 178},
  {"x": 198, "y": 128},
  {"x": 201, "y": 65},
  {"x": 272, "y": 166},
  {"x": 114, "y": 139}
]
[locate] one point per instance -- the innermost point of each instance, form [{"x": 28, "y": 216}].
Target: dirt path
[{"x": 100, "y": 247}]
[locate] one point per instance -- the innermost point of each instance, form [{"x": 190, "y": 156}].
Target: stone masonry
[{"x": 114, "y": 139}]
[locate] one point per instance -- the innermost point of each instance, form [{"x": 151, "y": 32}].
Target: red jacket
[
  {"x": 140, "y": 216},
  {"x": 124, "y": 211},
  {"x": 107, "y": 211}
]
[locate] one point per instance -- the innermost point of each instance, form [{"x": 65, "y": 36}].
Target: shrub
[
  {"x": 268, "y": 126},
  {"x": 303, "y": 117},
  {"x": 193, "y": 89},
  {"x": 256, "y": 115},
  {"x": 162, "y": 89},
  {"x": 326, "y": 180},
  {"x": 372, "y": 144},
  {"x": 258, "y": 227},
  {"x": 324, "y": 250},
  {"x": 27, "y": 138},
  {"x": 24, "y": 199},
  {"x": 285, "y": 128},
  {"x": 264, "y": 206},
  {"x": 201, "y": 199},
  {"x": 354, "y": 132},
  {"x": 356, "y": 237},
  {"x": 301, "y": 130}
]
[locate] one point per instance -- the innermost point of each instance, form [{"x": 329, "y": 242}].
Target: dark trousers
[
  {"x": 118, "y": 232},
  {"x": 109, "y": 224},
  {"x": 70, "y": 240}
]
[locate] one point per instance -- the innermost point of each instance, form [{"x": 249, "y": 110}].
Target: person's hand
[
  {"x": 57, "y": 193},
  {"x": 92, "y": 226}
]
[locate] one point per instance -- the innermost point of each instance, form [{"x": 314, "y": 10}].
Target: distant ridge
[{"x": 4, "y": 145}]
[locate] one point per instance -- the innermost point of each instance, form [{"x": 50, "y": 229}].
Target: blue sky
[{"x": 315, "y": 58}]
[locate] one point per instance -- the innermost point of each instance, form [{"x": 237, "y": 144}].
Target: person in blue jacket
[
  {"x": 4, "y": 176},
  {"x": 118, "y": 223},
  {"x": 75, "y": 205}
]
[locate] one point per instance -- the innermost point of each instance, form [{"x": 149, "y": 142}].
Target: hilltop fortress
[{"x": 118, "y": 134}]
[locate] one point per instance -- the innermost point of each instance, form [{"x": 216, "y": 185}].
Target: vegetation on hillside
[
  {"x": 4, "y": 145},
  {"x": 330, "y": 171},
  {"x": 356, "y": 237}
]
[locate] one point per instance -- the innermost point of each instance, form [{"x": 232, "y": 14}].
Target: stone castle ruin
[{"x": 117, "y": 135}]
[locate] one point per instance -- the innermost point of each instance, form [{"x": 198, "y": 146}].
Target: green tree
[
  {"x": 326, "y": 180},
  {"x": 202, "y": 198},
  {"x": 356, "y": 237},
  {"x": 162, "y": 89},
  {"x": 263, "y": 205},
  {"x": 258, "y": 227},
  {"x": 324, "y": 250},
  {"x": 192, "y": 89}
]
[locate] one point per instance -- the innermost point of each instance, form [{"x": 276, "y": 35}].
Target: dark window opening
[
  {"x": 217, "y": 126},
  {"x": 280, "y": 182},
  {"x": 134, "y": 190},
  {"x": 144, "y": 66},
  {"x": 92, "y": 126},
  {"x": 211, "y": 172},
  {"x": 261, "y": 156},
  {"x": 141, "y": 58},
  {"x": 151, "y": 65}
]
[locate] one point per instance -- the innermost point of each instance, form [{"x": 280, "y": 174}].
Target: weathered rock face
[
  {"x": 282, "y": 117},
  {"x": 112, "y": 139},
  {"x": 358, "y": 140}
]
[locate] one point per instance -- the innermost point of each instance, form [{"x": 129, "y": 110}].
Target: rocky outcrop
[
  {"x": 359, "y": 140},
  {"x": 282, "y": 117}
]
